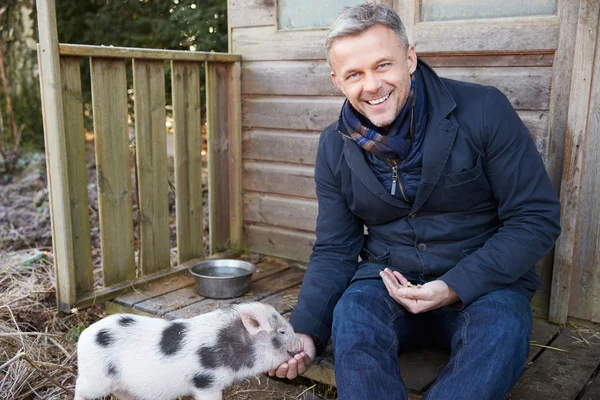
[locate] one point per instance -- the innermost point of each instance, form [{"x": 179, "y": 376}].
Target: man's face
[{"x": 373, "y": 70}]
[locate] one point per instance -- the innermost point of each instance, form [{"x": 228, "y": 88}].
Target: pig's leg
[
  {"x": 204, "y": 395},
  {"x": 84, "y": 389},
  {"x": 122, "y": 396}
]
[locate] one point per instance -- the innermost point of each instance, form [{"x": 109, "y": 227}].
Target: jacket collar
[{"x": 438, "y": 141}]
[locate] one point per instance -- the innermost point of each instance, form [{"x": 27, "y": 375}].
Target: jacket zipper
[
  {"x": 396, "y": 180},
  {"x": 395, "y": 176}
]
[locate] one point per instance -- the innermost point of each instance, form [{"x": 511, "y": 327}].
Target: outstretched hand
[
  {"x": 432, "y": 295},
  {"x": 301, "y": 361}
]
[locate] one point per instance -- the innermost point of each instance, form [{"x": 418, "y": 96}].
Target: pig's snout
[{"x": 296, "y": 346}]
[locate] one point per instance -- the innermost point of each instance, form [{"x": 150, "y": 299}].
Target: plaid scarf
[{"x": 395, "y": 144}]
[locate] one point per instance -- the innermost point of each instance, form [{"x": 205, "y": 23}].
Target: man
[{"x": 455, "y": 197}]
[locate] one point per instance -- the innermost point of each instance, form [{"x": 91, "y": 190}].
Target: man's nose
[{"x": 372, "y": 83}]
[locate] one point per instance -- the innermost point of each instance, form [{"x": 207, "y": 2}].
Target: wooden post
[
  {"x": 568, "y": 13},
  {"x": 57, "y": 157},
  {"x": 234, "y": 116},
  {"x": 574, "y": 155}
]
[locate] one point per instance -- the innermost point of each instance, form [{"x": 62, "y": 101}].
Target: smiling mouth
[{"x": 378, "y": 101}]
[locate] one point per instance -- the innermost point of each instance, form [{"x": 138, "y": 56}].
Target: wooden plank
[
  {"x": 504, "y": 35},
  {"x": 170, "y": 301},
  {"x": 312, "y": 78},
  {"x": 574, "y": 154},
  {"x": 287, "y": 179},
  {"x": 556, "y": 374},
  {"x": 151, "y": 158},
  {"x": 109, "y": 98},
  {"x": 111, "y": 292},
  {"x": 57, "y": 159},
  {"x": 593, "y": 391},
  {"x": 258, "y": 290},
  {"x": 244, "y": 13},
  {"x": 279, "y": 242},
  {"x": 267, "y": 43},
  {"x": 489, "y": 60},
  {"x": 155, "y": 289},
  {"x": 585, "y": 286},
  {"x": 187, "y": 127},
  {"x": 543, "y": 333},
  {"x": 77, "y": 180},
  {"x": 298, "y": 113},
  {"x": 217, "y": 155},
  {"x": 234, "y": 118},
  {"x": 116, "y": 308},
  {"x": 154, "y": 54},
  {"x": 286, "y": 212},
  {"x": 316, "y": 113},
  {"x": 537, "y": 123},
  {"x": 278, "y": 145},
  {"x": 284, "y": 301},
  {"x": 568, "y": 12},
  {"x": 514, "y": 35},
  {"x": 527, "y": 88}
]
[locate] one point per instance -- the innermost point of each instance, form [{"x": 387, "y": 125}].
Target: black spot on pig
[
  {"x": 172, "y": 338},
  {"x": 104, "y": 338},
  {"x": 112, "y": 370},
  {"x": 235, "y": 346},
  {"x": 276, "y": 342},
  {"x": 203, "y": 381},
  {"x": 126, "y": 321},
  {"x": 209, "y": 357},
  {"x": 234, "y": 349}
]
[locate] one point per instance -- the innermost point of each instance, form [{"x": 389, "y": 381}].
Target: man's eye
[
  {"x": 352, "y": 76},
  {"x": 384, "y": 65}
]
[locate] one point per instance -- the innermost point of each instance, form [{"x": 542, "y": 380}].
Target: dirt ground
[{"x": 37, "y": 345}]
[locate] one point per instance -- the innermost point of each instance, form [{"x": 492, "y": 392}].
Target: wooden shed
[{"x": 543, "y": 55}]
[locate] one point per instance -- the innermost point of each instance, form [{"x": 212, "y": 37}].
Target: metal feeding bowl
[{"x": 222, "y": 279}]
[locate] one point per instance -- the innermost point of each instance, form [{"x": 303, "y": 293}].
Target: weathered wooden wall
[
  {"x": 288, "y": 98},
  {"x": 576, "y": 280}
]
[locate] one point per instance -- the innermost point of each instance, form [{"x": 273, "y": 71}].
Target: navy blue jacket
[{"x": 485, "y": 211}]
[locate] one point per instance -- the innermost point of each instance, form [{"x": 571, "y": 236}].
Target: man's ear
[
  {"x": 336, "y": 82},
  {"x": 411, "y": 58}
]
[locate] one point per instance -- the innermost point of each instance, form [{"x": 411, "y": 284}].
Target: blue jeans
[{"x": 488, "y": 342}]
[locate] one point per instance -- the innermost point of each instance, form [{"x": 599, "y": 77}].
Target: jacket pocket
[{"x": 465, "y": 177}]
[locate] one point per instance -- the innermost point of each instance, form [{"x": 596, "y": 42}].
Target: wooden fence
[{"x": 61, "y": 90}]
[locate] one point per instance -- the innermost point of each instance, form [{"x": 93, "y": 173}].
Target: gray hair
[{"x": 354, "y": 20}]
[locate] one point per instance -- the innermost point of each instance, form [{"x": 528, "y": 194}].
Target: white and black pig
[{"x": 135, "y": 357}]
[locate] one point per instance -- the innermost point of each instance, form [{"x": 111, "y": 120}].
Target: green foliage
[
  {"x": 161, "y": 24},
  {"x": 18, "y": 33}
]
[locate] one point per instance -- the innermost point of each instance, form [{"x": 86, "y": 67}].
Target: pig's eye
[{"x": 281, "y": 331}]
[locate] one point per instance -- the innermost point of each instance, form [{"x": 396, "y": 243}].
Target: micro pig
[{"x": 136, "y": 357}]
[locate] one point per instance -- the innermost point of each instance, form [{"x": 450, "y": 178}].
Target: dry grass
[{"x": 37, "y": 347}]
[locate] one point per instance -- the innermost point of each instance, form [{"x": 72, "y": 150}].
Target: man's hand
[
  {"x": 432, "y": 295},
  {"x": 301, "y": 361}
]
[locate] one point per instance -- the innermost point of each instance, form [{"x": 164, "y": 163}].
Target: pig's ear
[{"x": 252, "y": 322}]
